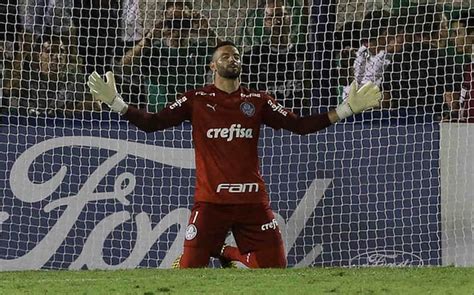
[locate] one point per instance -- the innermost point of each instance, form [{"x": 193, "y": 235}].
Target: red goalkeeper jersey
[{"x": 226, "y": 128}]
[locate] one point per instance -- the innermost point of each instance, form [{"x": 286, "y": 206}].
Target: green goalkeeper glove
[
  {"x": 359, "y": 100},
  {"x": 106, "y": 92}
]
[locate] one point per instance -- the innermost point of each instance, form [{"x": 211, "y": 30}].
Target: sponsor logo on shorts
[
  {"x": 247, "y": 108},
  {"x": 178, "y": 102},
  {"x": 238, "y": 187},
  {"x": 271, "y": 225},
  {"x": 191, "y": 232},
  {"x": 234, "y": 131}
]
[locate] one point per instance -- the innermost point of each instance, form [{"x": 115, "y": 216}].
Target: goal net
[{"x": 81, "y": 188}]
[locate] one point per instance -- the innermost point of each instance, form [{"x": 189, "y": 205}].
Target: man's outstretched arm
[
  {"x": 106, "y": 92},
  {"x": 358, "y": 100}
]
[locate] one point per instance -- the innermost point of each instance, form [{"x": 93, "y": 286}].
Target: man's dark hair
[
  {"x": 349, "y": 35},
  {"x": 397, "y": 24},
  {"x": 375, "y": 24},
  {"x": 178, "y": 23},
  {"x": 467, "y": 20},
  {"x": 222, "y": 44}
]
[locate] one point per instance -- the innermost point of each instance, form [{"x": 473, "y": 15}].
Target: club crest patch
[
  {"x": 247, "y": 108},
  {"x": 191, "y": 232}
]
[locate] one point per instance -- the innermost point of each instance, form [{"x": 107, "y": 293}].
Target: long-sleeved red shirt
[{"x": 225, "y": 132}]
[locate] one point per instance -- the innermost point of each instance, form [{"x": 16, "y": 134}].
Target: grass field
[{"x": 447, "y": 280}]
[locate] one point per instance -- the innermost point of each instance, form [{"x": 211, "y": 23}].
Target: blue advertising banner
[{"x": 96, "y": 195}]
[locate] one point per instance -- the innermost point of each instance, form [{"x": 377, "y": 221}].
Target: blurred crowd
[
  {"x": 48, "y": 49},
  {"x": 420, "y": 56}
]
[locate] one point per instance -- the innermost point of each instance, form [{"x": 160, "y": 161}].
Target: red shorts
[{"x": 253, "y": 225}]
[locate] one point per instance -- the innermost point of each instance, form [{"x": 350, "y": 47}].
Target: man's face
[
  {"x": 226, "y": 62},
  {"x": 52, "y": 57},
  {"x": 177, "y": 24},
  {"x": 462, "y": 40},
  {"x": 178, "y": 16},
  {"x": 394, "y": 44},
  {"x": 177, "y": 10},
  {"x": 276, "y": 21},
  {"x": 444, "y": 28}
]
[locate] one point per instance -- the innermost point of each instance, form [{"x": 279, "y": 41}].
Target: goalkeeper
[{"x": 230, "y": 193}]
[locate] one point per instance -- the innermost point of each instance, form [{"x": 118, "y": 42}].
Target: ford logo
[{"x": 391, "y": 258}]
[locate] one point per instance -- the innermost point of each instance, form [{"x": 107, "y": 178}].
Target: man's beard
[{"x": 229, "y": 74}]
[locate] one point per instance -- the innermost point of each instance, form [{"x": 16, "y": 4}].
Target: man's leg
[
  {"x": 194, "y": 258},
  {"x": 268, "y": 258},
  {"x": 205, "y": 234},
  {"x": 258, "y": 239}
]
